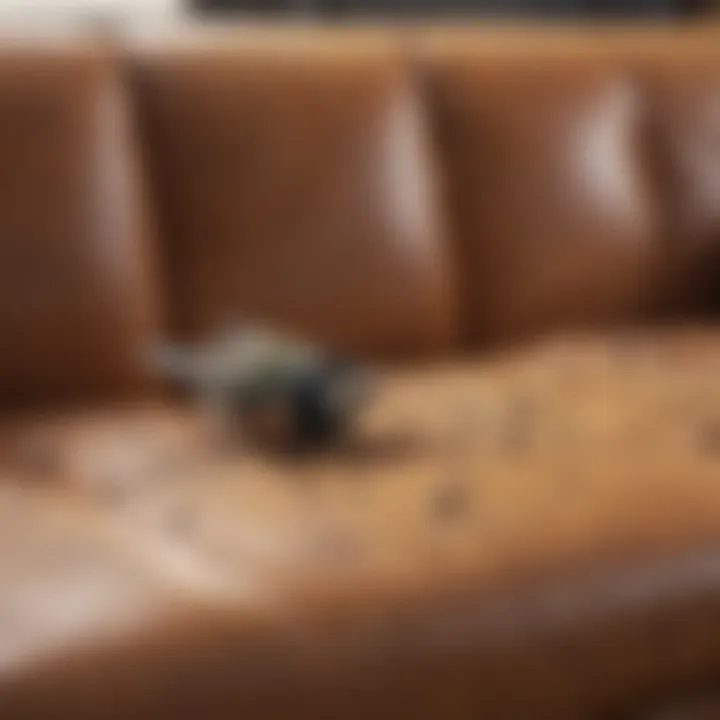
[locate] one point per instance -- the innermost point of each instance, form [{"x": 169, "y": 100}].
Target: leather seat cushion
[{"x": 532, "y": 533}]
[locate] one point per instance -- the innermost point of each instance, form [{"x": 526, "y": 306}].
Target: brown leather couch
[{"x": 524, "y": 530}]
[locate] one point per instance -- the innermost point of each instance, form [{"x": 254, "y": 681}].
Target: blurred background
[
  {"x": 321, "y": 9},
  {"x": 512, "y": 8}
]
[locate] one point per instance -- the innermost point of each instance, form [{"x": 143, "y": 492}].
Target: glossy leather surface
[
  {"x": 295, "y": 187},
  {"x": 77, "y": 296},
  {"x": 683, "y": 95},
  {"x": 554, "y": 218},
  {"x": 527, "y": 534},
  {"x": 537, "y": 533},
  {"x": 579, "y": 169}
]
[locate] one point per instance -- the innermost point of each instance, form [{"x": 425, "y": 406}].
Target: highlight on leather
[
  {"x": 78, "y": 298},
  {"x": 295, "y": 184},
  {"x": 521, "y": 529}
]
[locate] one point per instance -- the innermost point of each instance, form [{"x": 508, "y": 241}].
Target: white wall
[{"x": 59, "y": 8}]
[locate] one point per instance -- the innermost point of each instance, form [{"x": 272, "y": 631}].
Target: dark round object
[
  {"x": 306, "y": 408},
  {"x": 317, "y": 418}
]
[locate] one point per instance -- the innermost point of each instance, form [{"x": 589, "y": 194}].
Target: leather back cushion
[
  {"x": 76, "y": 304},
  {"x": 683, "y": 88},
  {"x": 552, "y": 207},
  {"x": 294, "y": 186}
]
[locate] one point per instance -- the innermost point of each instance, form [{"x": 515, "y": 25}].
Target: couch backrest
[
  {"x": 294, "y": 185},
  {"x": 568, "y": 179},
  {"x": 581, "y": 171},
  {"x": 395, "y": 192},
  {"x": 683, "y": 91},
  {"x": 76, "y": 297}
]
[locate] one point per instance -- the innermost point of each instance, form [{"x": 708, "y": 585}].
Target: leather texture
[
  {"x": 529, "y": 533},
  {"x": 296, "y": 188},
  {"x": 682, "y": 90},
  {"x": 532, "y": 535},
  {"x": 553, "y": 214},
  {"x": 77, "y": 304}
]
